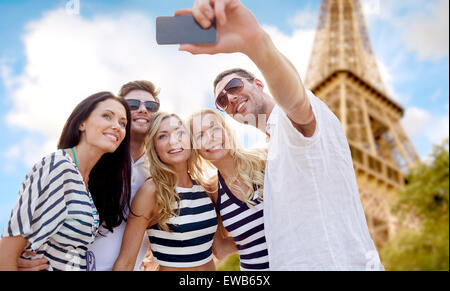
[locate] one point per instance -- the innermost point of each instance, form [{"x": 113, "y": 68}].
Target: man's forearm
[{"x": 283, "y": 80}]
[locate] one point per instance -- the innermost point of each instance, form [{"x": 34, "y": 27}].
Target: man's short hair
[
  {"x": 238, "y": 71},
  {"x": 139, "y": 85}
]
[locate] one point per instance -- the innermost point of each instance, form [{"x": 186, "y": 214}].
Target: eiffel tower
[{"x": 343, "y": 72}]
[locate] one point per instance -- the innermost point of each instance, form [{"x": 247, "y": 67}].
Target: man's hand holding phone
[{"x": 237, "y": 27}]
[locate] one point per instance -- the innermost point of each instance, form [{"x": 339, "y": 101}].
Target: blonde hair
[
  {"x": 250, "y": 163},
  {"x": 164, "y": 177}
]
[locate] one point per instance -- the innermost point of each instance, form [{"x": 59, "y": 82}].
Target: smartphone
[{"x": 183, "y": 29}]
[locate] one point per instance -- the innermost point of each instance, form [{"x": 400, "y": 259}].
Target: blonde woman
[
  {"x": 239, "y": 195},
  {"x": 172, "y": 205}
]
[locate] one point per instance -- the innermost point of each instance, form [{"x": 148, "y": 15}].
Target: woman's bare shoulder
[{"x": 145, "y": 195}]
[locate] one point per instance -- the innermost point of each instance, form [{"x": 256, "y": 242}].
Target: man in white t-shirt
[
  {"x": 142, "y": 98},
  {"x": 313, "y": 215}
]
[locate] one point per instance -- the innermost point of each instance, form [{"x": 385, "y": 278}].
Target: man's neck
[
  {"x": 264, "y": 117},
  {"x": 137, "y": 147}
]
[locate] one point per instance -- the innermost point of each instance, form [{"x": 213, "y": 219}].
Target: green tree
[
  {"x": 231, "y": 263},
  {"x": 427, "y": 197}
]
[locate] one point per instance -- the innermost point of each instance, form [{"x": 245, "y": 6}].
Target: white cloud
[
  {"x": 415, "y": 121},
  {"x": 69, "y": 57},
  {"x": 305, "y": 18},
  {"x": 420, "y": 124},
  {"x": 371, "y": 7},
  {"x": 5, "y": 70},
  {"x": 388, "y": 81},
  {"x": 27, "y": 152},
  {"x": 438, "y": 130},
  {"x": 427, "y": 32},
  {"x": 12, "y": 153}
]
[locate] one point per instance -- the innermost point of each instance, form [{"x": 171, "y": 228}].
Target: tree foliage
[
  {"x": 231, "y": 263},
  {"x": 427, "y": 197}
]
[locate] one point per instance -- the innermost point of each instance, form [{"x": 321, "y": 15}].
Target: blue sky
[{"x": 51, "y": 58}]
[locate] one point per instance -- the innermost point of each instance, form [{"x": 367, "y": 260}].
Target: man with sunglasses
[{"x": 313, "y": 216}]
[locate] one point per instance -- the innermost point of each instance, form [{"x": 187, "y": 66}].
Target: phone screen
[{"x": 183, "y": 29}]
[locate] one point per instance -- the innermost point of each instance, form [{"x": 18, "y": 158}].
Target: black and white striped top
[
  {"x": 55, "y": 213},
  {"x": 246, "y": 226},
  {"x": 189, "y": 244}
]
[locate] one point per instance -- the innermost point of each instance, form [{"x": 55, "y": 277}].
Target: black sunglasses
[
  {"x": 151, "y": 106},
  {"x": 234, "y": 86}
]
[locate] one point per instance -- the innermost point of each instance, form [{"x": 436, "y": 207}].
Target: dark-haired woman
[{"x": 69, "y": 193}]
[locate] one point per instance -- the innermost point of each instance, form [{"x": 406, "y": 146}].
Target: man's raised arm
[{"x": 239, "y": 31}]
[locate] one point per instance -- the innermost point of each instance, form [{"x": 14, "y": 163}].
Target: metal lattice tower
[{"x": 343, "y": 72}]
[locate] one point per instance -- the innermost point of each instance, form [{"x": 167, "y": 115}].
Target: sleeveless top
[
  {"x": 189, "y": 242},
  {"x": 246, "y": 226}
]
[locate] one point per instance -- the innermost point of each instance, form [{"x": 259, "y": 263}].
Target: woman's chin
[
  {"x": 215, "y": 156},
  {"x": 176, "y": 160}
]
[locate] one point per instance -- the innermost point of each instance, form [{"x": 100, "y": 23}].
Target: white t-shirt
[
  {"x": 313, "y": 214},
  {"x": 107, "y": 248}
]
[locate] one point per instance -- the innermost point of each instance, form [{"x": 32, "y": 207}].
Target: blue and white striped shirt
[
  {"x": 189, "y": 244},
  {"x": 246, "y": 226},
  {"x": 55, "y": 213}
]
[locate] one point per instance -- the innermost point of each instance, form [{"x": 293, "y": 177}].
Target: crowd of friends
[{"x": 128, "y": 178}]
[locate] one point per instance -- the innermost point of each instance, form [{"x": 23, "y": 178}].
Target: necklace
[
  {"x": 94, "y": 209},
  {"x": 75, "y": 157}
]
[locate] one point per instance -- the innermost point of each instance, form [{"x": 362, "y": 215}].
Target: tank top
[
  {"x": 189, "y": 242},
  {"x": 246, "y": 226}
]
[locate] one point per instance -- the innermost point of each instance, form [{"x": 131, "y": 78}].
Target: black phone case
[{"x": 183, "y": 29}]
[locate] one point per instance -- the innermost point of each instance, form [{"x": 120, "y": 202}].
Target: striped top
[
  {"x": 246, "y": 226},
  {"x": 189, "y": 244},
  {"x": 55, "y": 213}
]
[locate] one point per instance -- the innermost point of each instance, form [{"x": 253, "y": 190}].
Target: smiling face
[
  {"x": 105, "y": 128},
  {"x": 141, "y": 118},
  {"x": 210, "y": 138},
  {"x": 172, "y": 142},
  {"x": 249, "y": 100}
]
